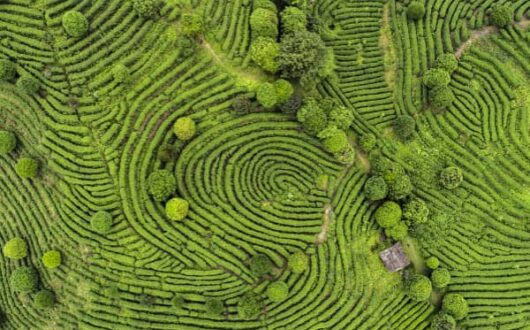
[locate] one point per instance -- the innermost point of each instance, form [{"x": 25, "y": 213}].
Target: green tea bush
[
  {"x": 415, "y": 211},
  {"x": 177, "y": 209},
  {"x": 312, "y": 116},
  {"x": 27, "y": 167},
  {"x": 101, "y": 222},
  {"x": 440, "y": 278},
  {"x": 404, "y": 126},
  {"x": 443, "y": 321},
  {"x": 432, "y": 262},
  {"x": 28, "y": 84},
  {"x": 388, "y": 214},
  {"x": 264, "y": 23},
  {"x": 264, "y": 52},
  {"x": 184, "y": 128},
  {"x": 451, "y": 177},
  {"x": 367, "y": 142},
  {"x": 418, "y": 287},
  {"x": 415, "y": 10},
  {"x": 146, "y": 8},
  {"x": 447, "y": 62},
  {"x": 501, "y": 15},
  {"x": 397, "y": 232},
  {"x": 436, "y": 77},
  {"x": 455, "y": 305},
  {"x": 161, "y": 184},
  {"x": 266, "y": 95},
  {"x": 375, "y": 188},
  {"x": 44, "y": 299},
  {"x": 293, "y": 20},
  {"x": 16, "y": 248},
  {"x": 249, "y": 306},
  {"x": 260, "y": 265},
  {"x": 75, "y": 24},
  {"x": 8, "y": 70},
  {"x": 298, "y": 262},
  {"x": 52, "y": 259},
  {"x": 8, "y": 142},
  {"x": 278, "y": 291},
  {"x": 284, "y": 90},
  {"x": 214, "y": 306},
  {"x": 265, "y": 4},
  {"x": 24, "y": 279}
]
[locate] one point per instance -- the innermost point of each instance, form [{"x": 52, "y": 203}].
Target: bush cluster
[
  {"x": 266, "y": 95},
  {"x": 190, "y": 24},
  {"x": 16, "y": 248},
  {"x": 451, "y": 177},
  {"x": 388, "y": 214},
  {"x": 161, "y": 184},
  {"x": 75, "y": 23},
  {"x": 404, "y": 126},
  {"x": 264, "y": 23},
  {"x": 501, "y": 15},
  {"x": 367, "y": 142},
  {"x": 440, "y": 278},
  {"x": 293, "y": 20},
  {"x": 438, "y": 79},
  {"x": 415, "y": 10},
  {"x": 264, "y": 52},
  {"x": 415, "y": 211},
  {"x": 146, "y": 8},
  {"x": 443, "y": 321}
]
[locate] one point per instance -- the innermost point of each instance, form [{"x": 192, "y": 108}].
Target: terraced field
[{"x": 141, "y": 146}]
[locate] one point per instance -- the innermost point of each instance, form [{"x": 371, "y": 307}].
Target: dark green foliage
[
  {"x": 249, "y": 306},
  {"x": 112, "y": 292},
  {"x": 415, "y": 10},
  {"x": 400, "y": 187},
  {"x": 8, "y": 70},
  {"x": 442, "y": 97},
  {"x": 266, "y": 95},
  {"x": 260, "y": 265},
  {"x": 293, "y": 20},
  {"x": 28, "y": 84},
  {"x": 375, "y": 188},
  {"x": 16, "y": 248},
  {"x": 418, "y": 287},
  {"x": 440, "y": 278},
  {"x": 432, "y": 262},
  {"x": 451, "y": 177},
  {"x": 190, "y": 24},
  {"x": 178, "y": 301},
  {"x": 397, "y": 232},
  {"x": 75, "y": 24},
  {"x": 44, "y": 299},
  {"x": 184, "y": 128},
  {"x": 243, "y": 105},
  {"x": 455, "y": 305},
  {"x": 278, "y": 291},
  {"x": 264, "y": 52},
  {"x": 298, "y": 262},
  {"x": 52, "y": 259},
  {"x": 177, "y": 209},
  {"x": 8, "y": 142},
  {"x": 101, "y": 222},
  {"x": 24, "y": 279},
  {"x": 312, "y": 116},
  {"x": 388, "y": 214},
  {"x": 284, "y": 90},
  {"x": 415, "y": 211},
  {"x": 292, "y": 105},
  {"x": 146, "y": 8},
  {"x": 168, "y": 153},
  {"x": 501, "y": 15},
  {"x": 214, "y": 306},
  {"x": 161, "y": 184},
  {"x": 443, "y": 321},
  {"x": 404, "y": 126},
  {"x": 27, "y": 167},
  {"x": 335, "y": 140},
  {"x": 367, "y": 142},
  {"x": 186, "y": 46},
  {"x": 341, "y": 117},
  {"x": 433, "y": 78},
  {"x": 264, "y": 23},
  {"x": 447, "y": 62}
]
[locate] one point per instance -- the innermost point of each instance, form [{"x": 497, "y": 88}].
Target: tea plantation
[{"x": 242, "y": 164}]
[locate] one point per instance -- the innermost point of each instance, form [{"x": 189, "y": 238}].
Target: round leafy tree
[
  {"x": 265, "y": 4},
  {"x": 177, "y": 209},
  {"x": 75, "y": 24},
  {"x": 184, "y": 128},
  {"x": 400, "y": 187},
  {"x": 341, "y": 117},
  {"x": 447, "y": 62},
  {"x": 24, "y": 279},
  {"x": 388, "y": 214},
  {"x": 120, "y": 73},
  {"x": 292, "y": 105},
  {"x": 213, "y": 306},
  {"x": 264, "y": 23},
  {"x": 249, "y": 306},
  {"x": 419, "y": 287},
  {"x": 312, "y": 116},
  {"x": 7, "y": 70},
  {"x": 367, "y": 142},
  {"x": 264, "y": 52},
  {"x": 243, "y": 105},
  {"x": 302, "y": 54},
  {"x": 416, "y": 211},
  {"x": 284, "y": 90},
  {"x": 293, "y": 20},
  {"x": 266, "y": 95},
  {"x": 404, "y": 126},
  {"x": 260, "y": 265},
  {"x": 190, "y": 24},
  {"x": 440, "y": 278},
  {"x": 27, "y": 167},
  {"x": 335, "y": 140},
  {"x": 501, "y": 15},
  {"x": 8, "y": 142},
  {"x": 455, "y": 305},
  {"x": 145, "y": 8},
  {"x": 432, "y": 262},
  {"x": 397, "y": 232},
  {"x": 44, "y": 299},
  {"x": 101, "y": 222},
  {"x": 161, "y": 184},
  {"x": 298, "y": 262},
  {"x": 436, "y": 77},
  {"x": 375, "y": 188},
  {"x": 28, "y": 84},
  {"x": 278, "y": 291},
  {"x": 442, "y": 97},
  {"x": 451, "y": 177},
  {"x": 52, "y": 259},
  {"x": 443, "y": 321},
  {"x": 415, "y": 10},
  {"x": 16, "y": 248}
]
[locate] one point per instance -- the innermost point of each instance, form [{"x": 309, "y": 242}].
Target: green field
[{"x": 241, "y": 164}]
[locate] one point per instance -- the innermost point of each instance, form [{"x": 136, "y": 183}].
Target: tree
[
  {"x": 293, "y": 20},
  {"x": 442, "y": 97},
  {"x": 416, "y": 211},
  {"x": 146, "y": 8},
  {"x": 75, "y": 24},
  {"x": 52, "y": 259},
  {"x": 284, "y": 90},
  {"x": 249, "y": 306},
  {"x": 433, "y": 78},
  {"x": 16, "y": 248},
  {"x": 367, "y": 142},
  {"x": 312, "y": 116},
  {"x": 101, "y": 222},
  {"x": 375, "y": 188},
  {"x": 177, "y": 209},
  {"x": 8, "y": 70},
  {"x": 418, "y": 287},
  {"x": 415, "y": 10},
  {"x": 501, "y": 15},
  {"x": 24, "y": 279},
  {"x": 190, "y": 24},
  {"x": 400, "y": 187},
  {"x": 8, "y": 142},
  {"x": 443, "y": 321},
  {"x": 432, "y": 262},
  {"x": 341, "y": 117},
  {"x": 447, "y": 62},
  {"x": 397, "y": 232},
  {"x": 264, "y": 23},
  {"x": 260, "y": 265},
  {"x": 292, "y": 105},
  {"x": 213, "y": 306},
  {"x": 298, "y": 262},
  {"x": 27, "y": 167},
  {"x": 243, "y": 105},
  {"x": 451, "y": 177},
  {"x": 335, "y": 140},
  {"x": 161, "y": 184},
  {"x": 264, "y": 52},
  {"x": 44, "y": 299},
  {"x": 120, "y": 73},
  {"x": 388, "y": 214},
  {"x": 266, "y": 95},
  {"x": 278, "y": 291},
  {"x": 440, "y": 278},
  {"x": 455, "y": 305},
  {"x": 28, "y": 84},
  {"x": 184, "y": 128},
  {"x": 404, "y": 126},
  {"x": 265, "y": 4}
]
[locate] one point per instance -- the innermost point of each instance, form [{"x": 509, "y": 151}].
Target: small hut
[{"x": 394, "y": 258}]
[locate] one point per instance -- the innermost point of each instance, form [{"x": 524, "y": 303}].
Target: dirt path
[{"x": 326, "y": 218}]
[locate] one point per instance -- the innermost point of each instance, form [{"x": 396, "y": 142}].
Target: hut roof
[{"x": 394, "y": 258}]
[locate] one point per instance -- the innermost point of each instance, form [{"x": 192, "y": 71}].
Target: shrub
[
  {"x": 145, "y": 8},
  {"x": 260, "y": 265},
  {"x": 44, "y": 299},
  {"x": 418, "y": 287},
  {"x": 415, "y": 10},
  {"x": 443, "y": 321},
  {"x": 442, "y": 97},
  {"x": 298, "y": 262},
  {"x": 184, "y": 128},
  {"x": 161, "y": 184},
  {"x": 451, "y": 177},
  {"x": 213, "y": 306},
  {"x": 341, "y": 117},
  {"x": 303, "y": 54},
  {"x": 416, "y": 211},
  {"x": 367, "y": 142},
  {"x": 404, "y": 126},
  {"x": 24, "y": 279},
  {"x": 249, "y": 306},
  {"x": 264, "y": 23},
  {"x": 375, "y": 188},
  {"x": 278, "y": 291},
  {"x": 400, "y": 187},
  {"x": 335, "y": 140},
  {"x": 27, "y": 167},
  {"x": 397, "y": 232},
  {"x": 433, "y": 78},
  {"x": 388, "y": 214},
  {"x": 284, "y": 90},
  {"x": 16, "y": 248},
  {"x": 265, "y": 4},
  {"x": 190, "y": 24},
  {"x": 266, "y": 95},
  {"x": 120, "y": 73},
  {"x": 432, "y": 262},
  {"x": 312, "y": 116},
  {"x": 101, "y": 222},
  {"x": 292, "y": 105},
  {"x": 293, "y": 20},
  {"x": 455, "y": 305},
  {"x": 242, "y": 105},
  {"x": 168, "y": 153},
  {"x": 440, "y": 278},
  {"x": 8, "y": 70},
  {"x": 264, "y": 52},
  {"x": 75, "y": 24},
  {"x": 177, "y": 209},
  {"x": 52, "y": 259},
  {"x": 501, "y": 15},
  {"x": 28, "y": 84},
  {"x": 8, "y": 142},
  {"x": 447, "y": 62}
]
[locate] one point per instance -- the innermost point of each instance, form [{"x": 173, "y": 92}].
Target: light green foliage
[
  {"x": 266, "y": 95},
  {"x": 16, "y": 248},
  {"x": 442, "y": 97},
  {"x": 24, "y": 279},
  {"x": 501, "y": 15},
  {"x": 75, "y": 24},
  {"x": 312, "y": 116},
  {"x": 28, "y": 84},
  {"x": 436, "y": 78},
  {"x": 293, "y": 20},
  {"x": 298, "y": 262},
  {"x": 101, "y": 222},
  {"x": 367, "y": 142},
  {"x": 278, "y": 291},
  {"x": 27, "y": 167},
  {"x": 120, "y": 73},
  {"x": 177, "y": 209},
  {"x": 375, "y": 188},
  {"x": 447, "y": 62},
  {"x": 264, "y": 23},
  {"x": 44, "y": 299},
  {"x": 260, "y": 265},
  {"x": 451, "y": 177},
  {"x": 404, "y": 127},
  {"x": 8, "y": 142},
  {"x": 184, "y": 128},
  {"x": 397, "y": 232},
  {"x": 190, "y": 24},
  {"x": 432, "y": 262},
  {"x": 213, "y": 306},
  {"x": 455, "y": 305},
  {"x": 284, "y": 90},
  {"x": 7, "y": 70},
  {"x": 249, "y": 306},
  {"x": 146, "y": 8},
  {"x": 52, "y": 259},
  {"x": 415, "y": 10},
  {"x": 415, "y": 211},
  {"x": 418, "y": 287},
  {"x": 334, "y": 139},
  {"x": 440, "y": 278},
  {"x": 443, "y": 321},
  {"x": 161, "y": 184},
  {"x": 341, "y": 117},
  {"x": 264, "y": 52},
  {"x": 265, "y": 4},
  {"x": 388, "y": 214}
]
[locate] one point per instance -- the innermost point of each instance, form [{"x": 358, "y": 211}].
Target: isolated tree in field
[
  {"x": 24, "y": 279},
  {"x": 440, "y": 277},
  {"x": 375, "y": 188},
  {"x": 293, "y": 20},
  {"x": 161, "y": 184},
  {"x": 75, "y": 23},
  {"x": 101, "y": 222},
  {"x": 16, "y": 248},
  {"x": 146, "y": 8},
  {"x": 28, "y": 84},
  {"x": 190, "y": 24},
  {"x": 8, "y": 142},
  {"x": 264, "y": 52},
  {"x": 213, "y": 306},
  {"x": 184, "y": 128},
  {"x": 501, "y": 15},
  {"x": 367, "y": 142},
  {"x": 443, "y": 321},
  {"x": 447, "y": 62},
  {"x": 177, "y": 209},
  {"x": 456, "y": 305},
  {"x": 388, "y": 214},
  {"x": 266, "y": 95},
  {"x": 404, "y": 126},
  {"x": 312, "y": 116},
  {"x": 44, "y": 299},
  {"x": 415, "y": 211},
  {"x": 436, "y": 77},
  {"x": 249, "y": 306},
  {"x": 260, "y": 265},
  {"x": 284, "y": 90},
  {"x": 451, "y": 177},
  {"x": 264, "y": 23},
  {"x": 298, "y": 262},
  {"x": 278, "y": 291},
  {"x": 432, "y": 262},
  {"x": 52, "y": 259},
  {"x": 8, "y": 70},
  {"x": 27, "y": 167},
  {"x": 418, "y": 287},
  {"x": 415, "y": 10}
]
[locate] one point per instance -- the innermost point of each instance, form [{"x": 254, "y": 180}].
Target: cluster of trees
[
  {"x": 25, "y": 167},
  {"x": 270, "y": 95},
  {"x": 25, "y": 82},
  {"x": 437, "y": 79},
  {"x": 454, "y": 308}
]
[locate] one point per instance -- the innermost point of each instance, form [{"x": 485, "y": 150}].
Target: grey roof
[{"x": 394, "y": 258}]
